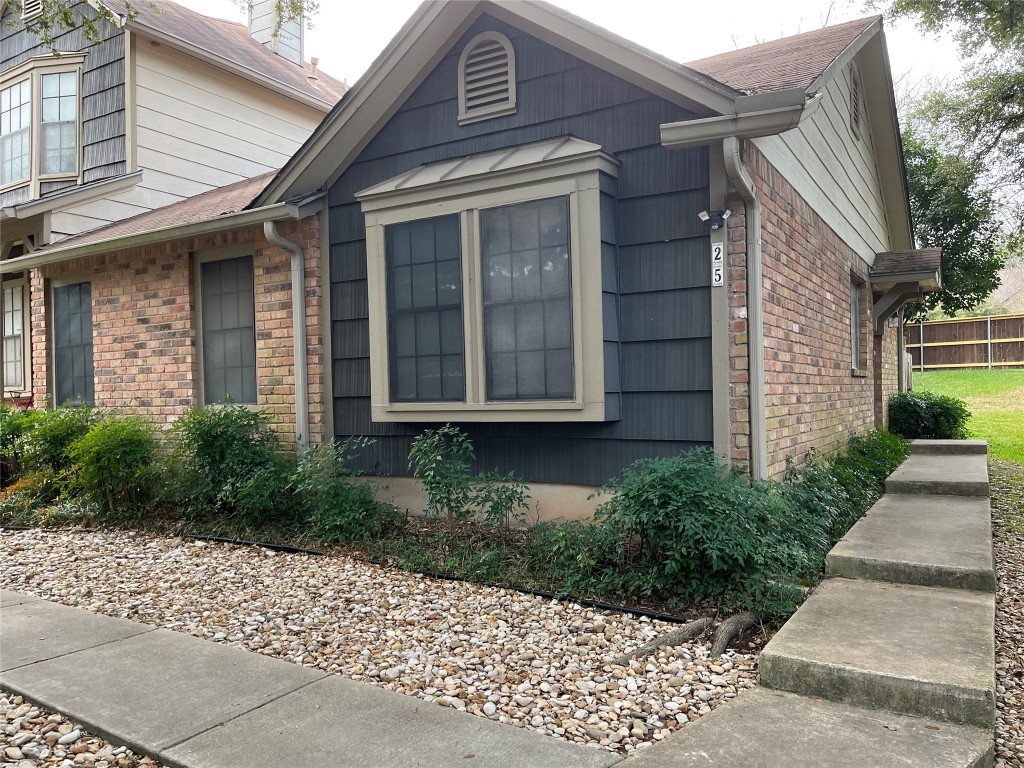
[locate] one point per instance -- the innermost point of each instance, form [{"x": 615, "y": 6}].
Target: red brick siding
[
  {"x": 144, "y": 326},
  {"x": 813, "y": 401}
]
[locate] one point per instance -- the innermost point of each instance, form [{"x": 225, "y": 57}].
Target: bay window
[{"x": 485, "y": 287}]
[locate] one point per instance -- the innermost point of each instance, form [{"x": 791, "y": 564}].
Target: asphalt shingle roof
[
  {"x": 233, "y": 42},
  {"x": 907, "y": 262},
  {"x": 789, "y": 62}
]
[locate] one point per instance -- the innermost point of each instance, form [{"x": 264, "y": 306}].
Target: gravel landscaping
[
  {"x": 1007, "y": 482},
  {"x": 31, "y": 737},
  {"x": 495, "y": 653}
]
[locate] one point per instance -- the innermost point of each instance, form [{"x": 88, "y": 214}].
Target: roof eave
[
  {"x": 210, "y": 57},
  {"x": 277, "y": 212},
  {"x": 743, "y": 125}
]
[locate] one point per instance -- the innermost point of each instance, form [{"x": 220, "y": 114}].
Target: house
[
  {"x": 166, "y": 105},
  {"x": 579, "y": 251}
]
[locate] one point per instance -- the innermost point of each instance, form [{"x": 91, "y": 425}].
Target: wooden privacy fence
[{"x": 970, "y": 342}]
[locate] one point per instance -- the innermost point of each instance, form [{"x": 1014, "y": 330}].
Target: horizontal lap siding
[{"x": 655, "y": 257}]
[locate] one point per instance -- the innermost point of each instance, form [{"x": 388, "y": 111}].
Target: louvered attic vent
[
  {"x": 855, "y": 101},
  {"x": 487, "y": 78},
  {"x": 31, "y": 8}
]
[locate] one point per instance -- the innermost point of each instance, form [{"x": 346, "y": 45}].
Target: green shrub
[
  {"x": 113, "y": 464},
  {"x": 15, "y": 423},
  {"x": 924, "y": 415},
  {"x": 45, "y": 446},
  {"x": 340, "y": 508},
  {"x": 443, "y": 459},
  {"x": 228, "y": 461},
  {"x": 700, "y": 530}
]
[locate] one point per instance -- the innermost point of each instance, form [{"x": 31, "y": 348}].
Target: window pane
[
  {"x": 51, "y": 86},
  {"x": 424, "y": 275},
  {"x": 229, "y": 332},
  {"x": 68, "y": 83},
  {"x": 527, "y": 300},
  {"x": 72, "y": 317}
]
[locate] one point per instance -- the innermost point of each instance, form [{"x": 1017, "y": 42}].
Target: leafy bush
[
  {"x": 45, "y": 446},
  {"x": 15, "y": 423},
  {"x": 924, "y": 415},
  {"x": 113, "y": 464},
  {"x": 701, "y": 530},
  {"x": 442, "y": 459},
  {"x": 340, "y": 509},
  {"x": 227, "y": 460}
]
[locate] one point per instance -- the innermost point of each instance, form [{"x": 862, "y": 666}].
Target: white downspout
[
  {"x": 740, "y": 178},
  {"x": 298, "y": 333}
]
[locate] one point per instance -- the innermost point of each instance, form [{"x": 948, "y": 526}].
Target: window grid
[
  {"x": 14, "y": 363},
  {"x": 527, "y": 301},
  {"x": 60, "y": 123},
  {"x": 15, "y": 131},
  {"x": 72, "y": 348},
  {"x": 424, "y": 265},
  {"x": 229, "y": 330}
]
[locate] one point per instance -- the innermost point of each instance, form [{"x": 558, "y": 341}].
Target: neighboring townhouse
[
  {"x": 167, "y": 105},
  {"x": 579, "y": 251}
]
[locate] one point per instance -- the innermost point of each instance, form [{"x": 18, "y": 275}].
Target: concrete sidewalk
[
  {"x": 195, "y": 704},
  {"x": 893, "y": 664}
]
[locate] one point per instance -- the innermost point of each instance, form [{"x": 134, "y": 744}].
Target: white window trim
[
  {"x": 35, "y": 68},
  {"x": 578, "y": 178},
  {"x": 500, "y": 109},
  {"x": 26, "y": 332},
  {"x": 202, "y": 257}
]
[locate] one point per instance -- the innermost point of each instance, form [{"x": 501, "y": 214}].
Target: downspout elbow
[
  {"x": 744, "y": 184},
  {"x": 298, "y": 274}
]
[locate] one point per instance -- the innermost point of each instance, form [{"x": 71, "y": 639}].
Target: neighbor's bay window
[
  {"x": 484, "y": 277},
  {"x": 40, "y": 121}
]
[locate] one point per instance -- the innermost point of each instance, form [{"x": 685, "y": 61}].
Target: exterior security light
[{"x": 715, "y": 218}]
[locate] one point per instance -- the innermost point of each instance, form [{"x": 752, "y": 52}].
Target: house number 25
[{"x": 717, "y": 264}]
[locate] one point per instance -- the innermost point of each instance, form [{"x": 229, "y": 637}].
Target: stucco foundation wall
[
  {"x": 144, "y": 326},
  {"x": 814, "y": 400}
]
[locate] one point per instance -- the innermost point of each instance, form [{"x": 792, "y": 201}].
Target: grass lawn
[{"x": 995, "y": 400}]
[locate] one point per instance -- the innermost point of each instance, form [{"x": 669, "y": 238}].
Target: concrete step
[
  {"x": 914, "y": 650},
  {"x": 769, "y": 729},
  {"x": 934, "y": 541},
  {"x": 948, "y": 447},
  {"x": 945, "y": 474}
]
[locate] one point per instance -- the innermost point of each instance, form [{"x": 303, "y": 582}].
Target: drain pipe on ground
[
  {"x": 298, "y": 333},
  {"x": 739, "y": 177}
]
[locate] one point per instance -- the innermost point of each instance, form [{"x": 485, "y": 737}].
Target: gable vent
[
  {"x": 31, "y": 8},
  {"x": 487, "y": 78},
  {"x": 855, "y": 101}
]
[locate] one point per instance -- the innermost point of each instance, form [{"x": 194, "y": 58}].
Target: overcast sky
[{"x": 348, "y": 34}]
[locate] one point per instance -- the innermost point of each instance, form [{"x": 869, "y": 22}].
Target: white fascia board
[
  {"x": 210, "y": 57},
  {"x": 278, "y": 212},
  {"x": 747, "y": 125},
  {"x": 70, "y": 197}
]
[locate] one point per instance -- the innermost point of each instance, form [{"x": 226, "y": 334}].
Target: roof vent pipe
[
  {"x": 298, "y": 333},
  {"x": 739, "y": 177}
]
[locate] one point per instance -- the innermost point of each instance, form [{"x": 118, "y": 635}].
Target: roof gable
[{"x": 426, "y": 39}]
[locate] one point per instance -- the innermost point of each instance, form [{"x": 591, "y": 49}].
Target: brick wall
[
  {"x": 813, "y": 399},
  {"x": 144, "y": 326}
]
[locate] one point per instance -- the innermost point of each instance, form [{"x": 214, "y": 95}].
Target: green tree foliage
[
  {"x": 952, "y": 210},
  {"x": 982, "y": 115}
]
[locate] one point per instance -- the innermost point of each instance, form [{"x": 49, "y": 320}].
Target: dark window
[
  {"x": 72, "y": 343},
  {"x": 855, "y": 324},
  {"x": 229, "y": 331},
  {"x": 527, "y": 300},
  {"x": 424, "y": 274}
]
